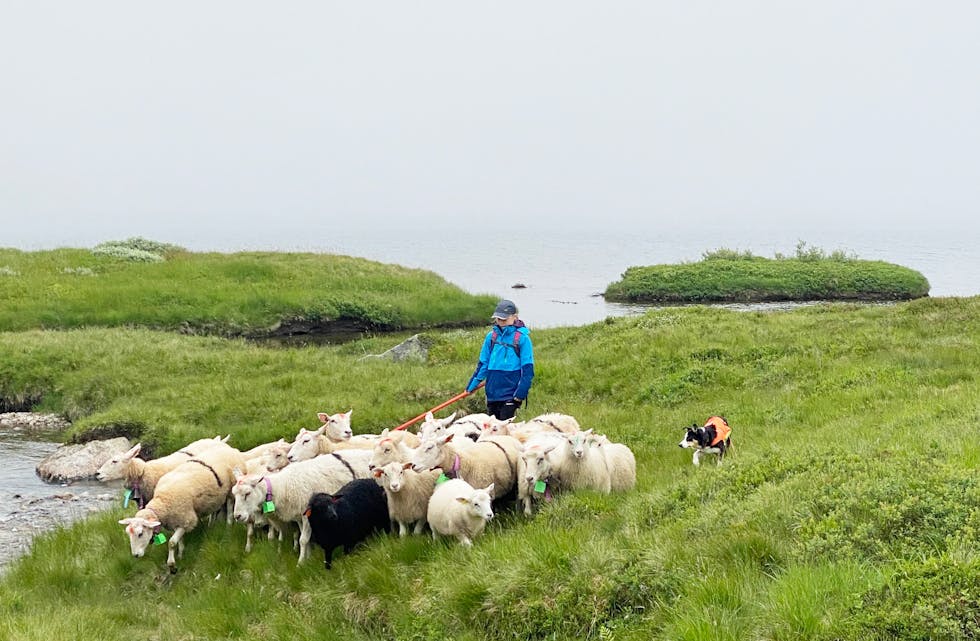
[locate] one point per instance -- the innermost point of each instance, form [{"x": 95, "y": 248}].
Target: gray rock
[
  {"x": 31, "y": 421},
  {"x": 413, "y": 349},
  {"x": 76, "y": 462}
]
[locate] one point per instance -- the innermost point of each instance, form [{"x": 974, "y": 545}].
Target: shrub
[{"x": 136, "y": 249}]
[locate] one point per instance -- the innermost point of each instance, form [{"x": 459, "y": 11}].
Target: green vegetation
[
  {"x": 850, "y": 508},
  {"x": 143, "y": 283},
  {"x": 727, "y": 275}
]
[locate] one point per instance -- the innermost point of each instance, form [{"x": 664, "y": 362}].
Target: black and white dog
[{"x": 714, "y": 438}]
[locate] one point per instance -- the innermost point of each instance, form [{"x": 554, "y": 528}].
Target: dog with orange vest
[{"x": 713, "y": 438}]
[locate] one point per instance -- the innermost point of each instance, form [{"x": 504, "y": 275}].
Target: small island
[{"x": 730, "y": 276}]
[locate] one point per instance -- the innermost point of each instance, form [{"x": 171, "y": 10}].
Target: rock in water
[{"x": 76, "y": 462}]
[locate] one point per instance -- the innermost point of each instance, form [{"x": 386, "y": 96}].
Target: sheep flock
[{"x": 333, "y": 488}]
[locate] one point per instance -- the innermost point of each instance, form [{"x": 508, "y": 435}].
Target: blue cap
[{"x": 505, "y": 309}]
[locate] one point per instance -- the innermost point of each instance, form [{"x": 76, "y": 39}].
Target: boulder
[
  {"x": 412, "y": 349},
  {"x": 76, "y": 462}
]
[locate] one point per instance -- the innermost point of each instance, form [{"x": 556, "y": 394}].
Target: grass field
[
  {"x": 246, "y": 293},
  {"x": 849, "y": 510}
]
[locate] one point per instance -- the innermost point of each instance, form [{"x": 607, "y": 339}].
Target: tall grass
[
  {"x": 228, "y": 294},
  {"x": 850, "y": 508}
]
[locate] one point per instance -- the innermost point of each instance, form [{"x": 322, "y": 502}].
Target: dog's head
[{"x": 694, "y": 438}]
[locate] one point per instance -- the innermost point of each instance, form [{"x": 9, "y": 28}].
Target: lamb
[
  {"x": 620, "y": 462},
  {"x": 458, "y": 509},
  {"x": 347, "y": 517},
  {"x": 289, "y": 490},
  {"x": 141, "y": 477},
  {"x": 195, "y": 488},
  {"x": 492, "y": 460},
  {"x": 408, "y": 493},
  {"x": 536, "y": 476}
]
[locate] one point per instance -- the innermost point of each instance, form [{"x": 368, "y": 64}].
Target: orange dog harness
[{"x": 722, "y": 430}]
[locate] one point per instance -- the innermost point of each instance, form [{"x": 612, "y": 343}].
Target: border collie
[{"x": 713, "y": 438}]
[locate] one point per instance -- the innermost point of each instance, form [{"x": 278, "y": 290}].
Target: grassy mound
[
  {"x": 850, "y": 507},
  {"x": 729, "y": 276},
  {"x": 142, "y": 283}
]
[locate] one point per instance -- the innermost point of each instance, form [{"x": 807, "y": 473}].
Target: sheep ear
[
  {"x": 281, "y": 441},
  {"x": 133, "y": 451},
  {"x": 225, "y": 439},
  {"x": 449, "y": 419},
  {"x": 349, "y": 412},
  {"x": 320, "y": 431},
  {"x": 153, "y": 524},
  {"x": 384, "y": 432},
  {"x": 429, "y": 416},
  {"x": 489, "y": 489},
  {"x": 322, "y": 416},
  {"x": 549, "y": 448},
  {"x": 407, "y": 466},
  {"x": 462, "y": 499},
  {"x": 238, "y": 474},
  {"x": 125, "y": 521},
  {"x": 587, "y": 432},
  {"x": 378, "y": 471}
]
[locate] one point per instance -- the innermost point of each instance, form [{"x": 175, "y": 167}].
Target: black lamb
[{"x": 348, "y": 517}]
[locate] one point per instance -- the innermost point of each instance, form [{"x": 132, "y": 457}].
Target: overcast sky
[{"x": 186, "y": 115}]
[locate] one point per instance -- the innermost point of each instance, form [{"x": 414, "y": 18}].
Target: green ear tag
[
  {"x": 540, "y": 487},
  {"x": 126, "y": 496},
  {"x": 160, "y": 538},
  {"x": 268, "y": 506},
  {"x": 442, "y": 478}
]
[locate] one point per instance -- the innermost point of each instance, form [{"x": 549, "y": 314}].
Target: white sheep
[
  {"x": 390, "y": 449},
  {"x": 432, "y": 427},
  {"x": 557, "y": 422},
  {"x": 290, "y": 489},
  {"x": 620, "y": 461},
  {"x": 273, "y": 458},
  {"x": 583, "y": 466},
  {"x": 196, "y": 488},
  {"x": 311, "y": 443},
  {"x": 141, "y": 477},
  {"x": 491, "y": 461},
  {"x": 458, "y": 509},
  {"x": 408, "y": 493}
]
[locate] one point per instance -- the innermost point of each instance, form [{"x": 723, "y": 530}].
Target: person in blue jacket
[{"x": 506, "y": 362}]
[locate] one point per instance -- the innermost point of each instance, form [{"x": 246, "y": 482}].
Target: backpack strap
[{"x": 494, "y": 337}]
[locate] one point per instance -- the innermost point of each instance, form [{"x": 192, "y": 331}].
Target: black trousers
[{"x": 503, "y": 410}]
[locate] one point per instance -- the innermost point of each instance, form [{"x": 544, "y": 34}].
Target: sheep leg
[
  {"x": 230, "y": 509},
  {"x": 465, "y": 540},
  {"x": 402, "y": 530},
  {"x": 305, "y": 532},
  {"x": 176, "y": 541},
  {"x": 419, "y": 526},
  {"x": 249, "y": 531}
]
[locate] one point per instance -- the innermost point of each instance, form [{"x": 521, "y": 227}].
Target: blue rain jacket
[{"x": 508, "y": 375}]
